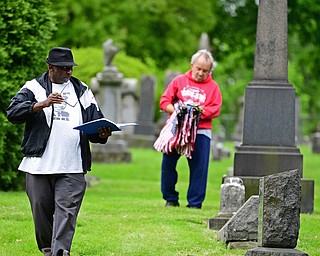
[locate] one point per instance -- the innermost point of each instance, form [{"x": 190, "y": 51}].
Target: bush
[{"x": 25, "y": 28}]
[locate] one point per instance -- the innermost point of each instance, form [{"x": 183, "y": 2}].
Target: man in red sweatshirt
[{"x": 195, "y": 87}]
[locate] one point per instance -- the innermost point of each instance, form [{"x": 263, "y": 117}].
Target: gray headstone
[
  {"x": 114, "y": 151},
  {"x": 232, "y": 194},
  {"x": 232, "y": 197},
  {"x": 129, "y": 104},
  {"x": 307, "y": 195},
  {"x": 243, "y": 226},
  {"x": 216, "y": 149},
  {"x": 146, "y": 108},
  {"x": 108, "y": 85},
  {"x": 315, "y": 142},
  {"x": 279, "y": 210}
]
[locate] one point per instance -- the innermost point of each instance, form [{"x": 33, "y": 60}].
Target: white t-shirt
[{"x": 62, "y": 153}]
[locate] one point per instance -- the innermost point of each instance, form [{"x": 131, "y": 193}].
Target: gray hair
[{"x": 207, "y": 54}]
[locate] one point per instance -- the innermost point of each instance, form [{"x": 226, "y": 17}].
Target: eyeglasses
[
  {"x": 66, "y": 68},
  {"x": 71, "y": 104}
]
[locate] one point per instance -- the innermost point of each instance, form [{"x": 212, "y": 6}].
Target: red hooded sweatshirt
[{"x": 206, "y": 94}]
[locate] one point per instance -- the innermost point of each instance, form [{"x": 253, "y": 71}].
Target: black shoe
[
  {"x": 194, "y": 207},
  {"x": 172, "y": 203}
]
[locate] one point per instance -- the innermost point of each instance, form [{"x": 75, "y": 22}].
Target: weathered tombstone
[
  {"x": 241, "y": 230},
  {"x": 268, "y": 142},
  {"x": 144, "y": 132},
  {"x": 129, "y": 104},
  {"x": 279, "y": 214},
  {"x": 109, "y": 83},
  {"x": 146, "y": 113},
  {"x": 315, "y": 142},
  {"x": 232, "y": 194},
  {"x": 216, "y": 149}
]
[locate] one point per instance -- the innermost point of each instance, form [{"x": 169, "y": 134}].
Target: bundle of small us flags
[{"x": 180, "y": 131}]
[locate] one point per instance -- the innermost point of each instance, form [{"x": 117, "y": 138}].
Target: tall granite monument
[
  {"x": 268, "y": 143},
  {"x": 109, "y": 85}
]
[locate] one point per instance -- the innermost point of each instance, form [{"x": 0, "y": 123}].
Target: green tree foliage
[
  {"x": 168, "y": 32},
  {"x": 235, "y": 31},
  {"x": 304, "y": 25},
  {"x": 89, "y": 67},
  {"x": 234, "y": 46},
  {"x": 164, "y": 30},
  {"x": 25, "y": 28}
]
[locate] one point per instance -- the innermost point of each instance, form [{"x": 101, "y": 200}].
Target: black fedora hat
[{"x": 61, "y": 56}]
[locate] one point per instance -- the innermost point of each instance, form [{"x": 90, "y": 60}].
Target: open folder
[{"x": 92, "y": 126}]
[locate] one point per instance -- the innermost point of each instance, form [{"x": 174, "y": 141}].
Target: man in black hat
[{"x": 56, "y": 156}]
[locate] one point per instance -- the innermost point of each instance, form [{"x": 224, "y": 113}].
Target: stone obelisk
[{"x": 268, "y": 143}]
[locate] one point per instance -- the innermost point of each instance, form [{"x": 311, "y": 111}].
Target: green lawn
[{"x": 123, "y": 213}]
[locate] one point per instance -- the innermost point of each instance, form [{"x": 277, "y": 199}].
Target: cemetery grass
[{"x": 123, "y": 213}]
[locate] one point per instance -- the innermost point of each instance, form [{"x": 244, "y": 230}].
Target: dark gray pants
[{"x": 55, "y": 203}]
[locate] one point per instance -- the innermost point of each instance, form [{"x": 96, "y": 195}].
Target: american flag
[{"x": 180, "y": 131}]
